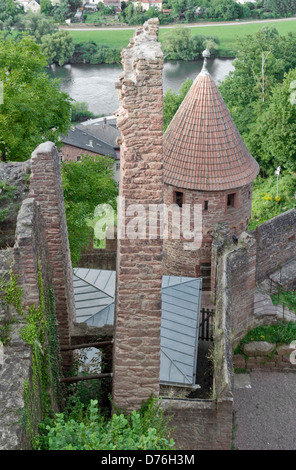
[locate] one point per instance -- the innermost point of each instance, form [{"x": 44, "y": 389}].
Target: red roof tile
[{"x": 203, "y": 149}]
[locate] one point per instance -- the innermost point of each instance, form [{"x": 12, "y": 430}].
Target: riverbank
[{"x": 226, "y": 32}]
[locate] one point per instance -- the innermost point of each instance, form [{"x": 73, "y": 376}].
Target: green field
[{"x": 227, "y": 34}]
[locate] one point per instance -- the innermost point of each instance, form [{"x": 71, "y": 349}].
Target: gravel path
[{"x": 265, "y": 411}]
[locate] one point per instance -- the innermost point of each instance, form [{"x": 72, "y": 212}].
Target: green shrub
[{"x": 145, "y": 429}]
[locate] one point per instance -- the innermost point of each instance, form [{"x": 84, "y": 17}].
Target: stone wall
[
  {"x": 200, "y": 424},
  {"x": 28, "y": 257},
  {"x": 14, "y": 178},
  {"x": 233, "y": 280},
  {"x": 139, "y": 261},
  {"x": 95, "y": 258},
  {"x": 38, "y": 251},
  {"x": 271, "y": 358},
  {"x": 276, "y": 243},
  {"x": 46, "y": 189}
]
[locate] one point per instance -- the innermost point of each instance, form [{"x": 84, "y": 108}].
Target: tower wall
[
  {"x": 181, "y": 262},
  {"x": 139, "y": 261}
]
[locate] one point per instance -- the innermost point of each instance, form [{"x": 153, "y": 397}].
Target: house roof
[
  {"x": 81, "y": 138},
  {"x": 102, "y": 130},
  {"x": 181, "y": 296},
  {"x": 203, "y": 149}
]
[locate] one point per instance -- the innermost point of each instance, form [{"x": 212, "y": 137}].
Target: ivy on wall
[{"x": 41, "y": 391}]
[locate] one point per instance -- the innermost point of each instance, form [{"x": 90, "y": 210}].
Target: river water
[{"x": 94, "y": 84}]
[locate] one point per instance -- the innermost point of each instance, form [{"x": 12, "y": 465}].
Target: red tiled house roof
[{"x": 203, "y": 149}]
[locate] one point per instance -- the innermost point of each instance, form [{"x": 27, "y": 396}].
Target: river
[{"x": 94, "y": 84}]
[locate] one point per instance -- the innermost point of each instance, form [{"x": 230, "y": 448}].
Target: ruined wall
[
  {"x": 29, "y": 257},
  {"x": 139, "y": 261},
  {"x": 233, "y": 280},
  {"x": 276, "y": 243},
  {"x": 39, "y": 257},
  {"x": 14, "y": 188},
  {"x": 103, "y": 258},
  {"x": 46, "y": 189}
]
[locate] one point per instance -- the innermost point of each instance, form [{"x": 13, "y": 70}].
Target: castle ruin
[{"x": 34, "y": 243}]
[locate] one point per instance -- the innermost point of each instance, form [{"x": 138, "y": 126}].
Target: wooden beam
[
  {"x": 87, "y": 345},
  {"x": 79, "y": 378}
]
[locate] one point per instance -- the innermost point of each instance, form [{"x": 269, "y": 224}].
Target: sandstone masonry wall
[
  {"x": 46, "y": 189},
  {"x": 28, "y": 256},
  {"x": 200, "y": 424},
  {"x": 233, "y": 280},
  {"x": 139, "y": 261},
  {"x": 276, "y": 243},
  {"x": 39, "y": 246}
]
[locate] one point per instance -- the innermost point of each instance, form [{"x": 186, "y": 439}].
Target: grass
[
  {"x": 264, "y": 204},
  {"x": 286, "y": 298},
  {"x": 227, "y": 34},
  {"x": 116, "y": 39},
  {"x": 280, "y": 333}
]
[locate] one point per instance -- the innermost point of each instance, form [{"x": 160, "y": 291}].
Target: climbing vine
[
  {"x": 7, "y": 193},
  {"x": 39, "y": 332}
]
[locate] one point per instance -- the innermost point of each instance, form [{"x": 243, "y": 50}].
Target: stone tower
[
  {"x": 206, "y": 163},
  {"x": 136, "y": 355}
]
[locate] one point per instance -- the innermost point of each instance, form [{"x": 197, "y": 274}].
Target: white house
[{"x": 30, "y": 5}]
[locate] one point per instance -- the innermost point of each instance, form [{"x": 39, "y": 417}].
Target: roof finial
[{"x": 206, "y": 54}]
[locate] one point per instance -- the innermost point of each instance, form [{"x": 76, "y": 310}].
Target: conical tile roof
[{"x": 203, "y": 149}]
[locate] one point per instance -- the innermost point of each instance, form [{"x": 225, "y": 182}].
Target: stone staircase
[{"x": 264, "y": 309}]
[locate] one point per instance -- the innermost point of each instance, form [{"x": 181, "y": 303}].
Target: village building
[
  {"x": 31, "y": 5},
  {"x": 146, "y": 4},
  {"x": 93, "y": 137}
]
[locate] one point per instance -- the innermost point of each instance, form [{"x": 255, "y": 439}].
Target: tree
[
  {"x": 58, "y": 47},
  {"x": 172, "y": 101},
  {"x": 37, "y": 25},
  {"x": 10, "y": 7},
  {"x": 61, "y": 11},
  {"x": 74, "y": 5},
  {"x": 262, "y": 60},
  {"x": 225, "y": 9},
  {"x": 80, "y": 112},
  {"x": 34, "y": 109},
  {"x": 178, "y": 44},
  {"x": 281, "y": 7},
  {"x": 272, "y": 137},
  {"x": 86, "y": 184},
  {"x": 45, "y": 6}
]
